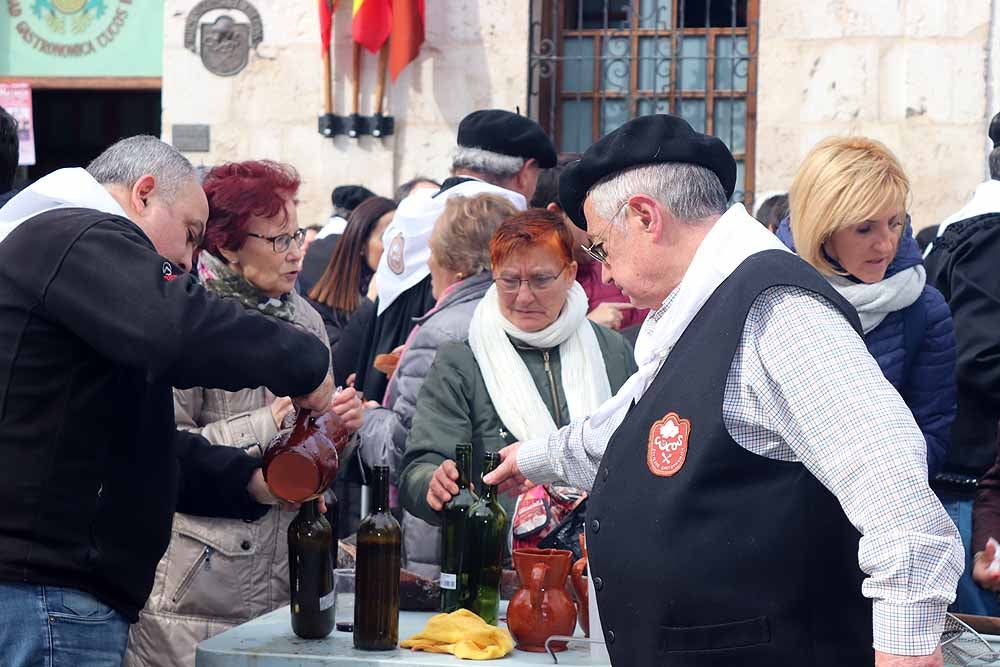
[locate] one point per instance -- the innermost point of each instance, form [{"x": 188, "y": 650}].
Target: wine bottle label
[
  {"x": 326, "y": 601},
  {"x": 449, "y": 581}
]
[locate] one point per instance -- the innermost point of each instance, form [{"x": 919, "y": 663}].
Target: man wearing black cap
[
  {"x": 962, "y": 263},
  {"x": 498, "y": 152},
  {"x": 759, "y": 490}
]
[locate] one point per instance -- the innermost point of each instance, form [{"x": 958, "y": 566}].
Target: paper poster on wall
[{"x": 16, "y": 99}]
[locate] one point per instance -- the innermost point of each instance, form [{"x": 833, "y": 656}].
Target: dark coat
[{"x": 928, "y": 385}]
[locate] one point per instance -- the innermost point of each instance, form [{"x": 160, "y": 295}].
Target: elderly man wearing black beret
[{"x": 759, "y": 490}]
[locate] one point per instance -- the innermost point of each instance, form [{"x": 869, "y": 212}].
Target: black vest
[{"x": 734, "y": 559}]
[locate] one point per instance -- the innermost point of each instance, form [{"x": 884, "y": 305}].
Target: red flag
[
  {"x": 408, "y": 18},
  {"x": 326, "y": 9},
  {"x": 372, "y": 23}
]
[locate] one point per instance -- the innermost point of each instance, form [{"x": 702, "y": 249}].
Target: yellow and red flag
[
  {"x": 408, "y": 18},
  {"x": 372, "y": 23}
]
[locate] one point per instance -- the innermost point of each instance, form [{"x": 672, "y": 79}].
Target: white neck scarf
[
  {"x": 733, "y": 238},
  {"x": 64, "y": 188},
  {"x": 508, "y": 381},
  {"x": 873, "y": 302}
]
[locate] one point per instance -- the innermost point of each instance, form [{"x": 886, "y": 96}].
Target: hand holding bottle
[{"x": 443, "y": 486}]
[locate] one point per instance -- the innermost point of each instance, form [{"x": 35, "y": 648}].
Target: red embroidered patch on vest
[{"x": 668, "y": 445}]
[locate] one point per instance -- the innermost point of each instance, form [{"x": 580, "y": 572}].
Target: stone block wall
[
  {"x": 474, "y": 56},
  {"x": 915, "y": 74}
]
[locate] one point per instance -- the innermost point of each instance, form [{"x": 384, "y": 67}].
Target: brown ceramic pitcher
[
  {"x": 304, "y": 464},
  {"x": 579, "y": 579},
  {"x": 541, "y": 607}
]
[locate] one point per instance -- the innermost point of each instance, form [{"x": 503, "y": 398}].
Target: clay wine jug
[
  {"x": 304, "y": 464},
  {"x": 541, "y": 607}
]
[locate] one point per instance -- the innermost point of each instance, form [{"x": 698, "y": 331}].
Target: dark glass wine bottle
[
  {"x": 376, "y": 578},
  {"x": 310, "y": 573},
  {"x": 486, "y": 532},
  {"x": 454, "y": 577}
]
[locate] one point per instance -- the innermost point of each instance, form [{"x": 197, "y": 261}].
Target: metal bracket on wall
[{"x": 354, "y": 125}]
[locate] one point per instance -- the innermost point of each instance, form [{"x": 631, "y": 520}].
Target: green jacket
[{"x": 454, "y": 406}]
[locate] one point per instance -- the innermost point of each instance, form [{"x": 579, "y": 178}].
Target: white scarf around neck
[
  {"x": 876, "y": 300},
  {"x": 733, "y": 238},
  {"x": 508, "y": 381}
]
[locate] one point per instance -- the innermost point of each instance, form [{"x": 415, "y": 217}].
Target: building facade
[{"x": 244, "y": 79}]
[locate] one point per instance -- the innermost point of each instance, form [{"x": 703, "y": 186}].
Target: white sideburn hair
[
  {"x": 487, "y": 163},
  {"x": 125, "y": 162},
  {"x": 688, "y": 191}
]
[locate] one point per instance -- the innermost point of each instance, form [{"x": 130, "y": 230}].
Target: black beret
[
  {"x": 507, "y": 133},
  {"x": 348, "y": 197},
  {"x": 643, "y": 140}
]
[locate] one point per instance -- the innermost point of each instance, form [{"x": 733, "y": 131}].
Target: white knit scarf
[
  {"x": 508, "y": 381},
  {"x": 876, "y": 300},
  {"x": 733, "y": 238}
]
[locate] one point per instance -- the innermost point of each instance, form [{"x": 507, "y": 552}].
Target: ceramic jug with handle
[{"x": 542, "y": 606}]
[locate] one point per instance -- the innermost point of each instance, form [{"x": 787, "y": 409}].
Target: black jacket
[
  {"x": 963, "y": 265},
  {"x": 95, "y": 328}
]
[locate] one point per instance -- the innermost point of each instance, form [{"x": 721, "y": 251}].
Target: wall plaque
[
  {"x": 224, "y": 44},
  {"x": 191, "y": 138}
]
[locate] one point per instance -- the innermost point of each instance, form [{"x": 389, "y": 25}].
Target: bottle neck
[
  {"x": 489, "y": 465},
  {"x": 463, "y": 461},
  {"x": 380, "y": 489},
  {"x": 309, "y": 510}
]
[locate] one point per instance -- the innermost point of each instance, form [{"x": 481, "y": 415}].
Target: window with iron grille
[{"x": 594, "y": 64}]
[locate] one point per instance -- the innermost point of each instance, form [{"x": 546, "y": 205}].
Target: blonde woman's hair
[
  {"x": 842, "y": 182},
  {"x": 461, "y": 237}
]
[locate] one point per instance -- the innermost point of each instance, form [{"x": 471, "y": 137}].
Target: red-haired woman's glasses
[
  {"x": 538, "y": 283},
  {"x": 282, "y": 242}
]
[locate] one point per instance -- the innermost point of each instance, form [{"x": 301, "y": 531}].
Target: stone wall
[
  {"x": 475, "y": 56},
  {"x": 914, "y": 74}
]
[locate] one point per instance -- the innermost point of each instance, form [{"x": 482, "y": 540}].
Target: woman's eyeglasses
[
  {"x": 282, "y": 242},
  {"x": 536, "y": 284}
]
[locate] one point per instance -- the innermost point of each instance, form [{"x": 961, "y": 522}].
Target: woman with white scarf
[
  {"x": 848, "y": 219},
  {"x": 533, "y": 362}
]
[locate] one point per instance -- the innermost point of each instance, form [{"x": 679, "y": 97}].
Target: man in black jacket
[
  {"x": 98, "y": 320},
  {"x": 962, "y": 264}
]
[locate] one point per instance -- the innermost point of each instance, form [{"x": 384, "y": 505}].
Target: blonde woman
[{"x": 848, "y": 219}]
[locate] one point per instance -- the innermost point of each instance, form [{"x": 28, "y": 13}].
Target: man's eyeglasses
[
  {"x": 282, "y": 242},
  {"x": 536, "y": 284},
  {"x": 596, "y": 248}
]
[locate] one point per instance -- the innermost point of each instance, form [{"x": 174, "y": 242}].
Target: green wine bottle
[
  {"x": 486, "y": 532},
  {"x": 454, "y": 577},
  {"x": 376, "y": 578},
  {"x": 310, "y": 573}
]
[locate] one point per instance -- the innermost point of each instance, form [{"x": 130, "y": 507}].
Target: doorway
[{"x": 72, "y": 127}]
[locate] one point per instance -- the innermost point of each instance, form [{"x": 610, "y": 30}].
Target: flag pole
[
  {"x": 357, "y": 78},
  {"x": 383, "y": 65}
]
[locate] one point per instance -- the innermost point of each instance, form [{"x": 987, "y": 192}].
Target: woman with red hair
[
  {"x": 218, "y": 573},
  {"x": 532, "y": 362}
]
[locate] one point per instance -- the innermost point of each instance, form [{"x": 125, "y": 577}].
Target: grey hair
[
  {"x": 688, "y": 191},
  {"x": 490, "y": 165},
  {"x": 461, "y": 238},
  {"x": 126, "y": 161},
  {"x": 995, "y": 164}
]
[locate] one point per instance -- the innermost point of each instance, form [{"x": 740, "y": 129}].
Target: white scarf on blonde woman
[
  {"x": 733, "y": 238},
  {"x": 508, "y": 381}
]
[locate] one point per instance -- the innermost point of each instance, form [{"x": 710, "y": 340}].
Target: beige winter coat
[{"x": 217, "y": 573}]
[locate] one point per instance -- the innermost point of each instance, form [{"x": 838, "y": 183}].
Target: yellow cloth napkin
[{"x": 464, "y": 635}]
